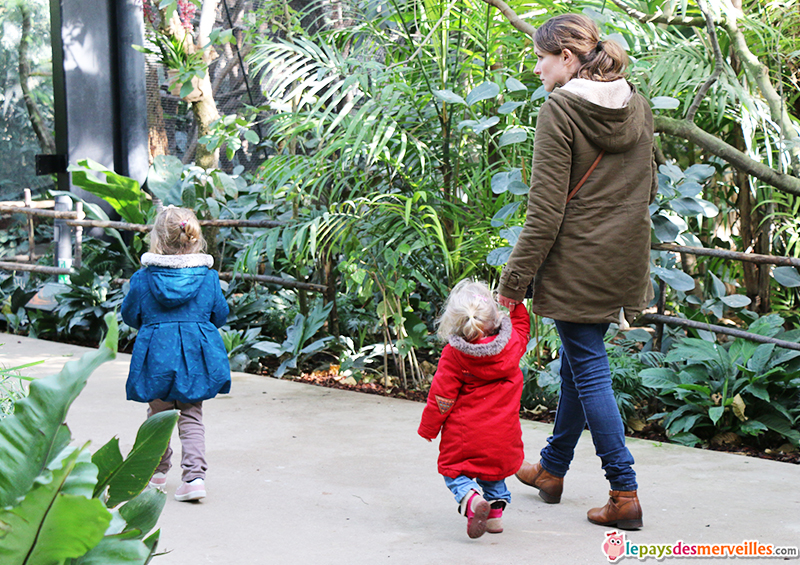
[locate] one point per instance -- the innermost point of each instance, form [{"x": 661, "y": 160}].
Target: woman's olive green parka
[{"x": 591, "y": 256}]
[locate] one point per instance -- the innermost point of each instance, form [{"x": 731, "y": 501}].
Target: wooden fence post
[
  {"x": 79, "y": 235},
  {"x": 63, "y": 238},
  {"x": 31, "y": 242}
]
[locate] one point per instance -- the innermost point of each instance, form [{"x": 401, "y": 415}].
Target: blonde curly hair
[
  {"x": 469, "y": 312},
  {"x": 176, "y": 231}
]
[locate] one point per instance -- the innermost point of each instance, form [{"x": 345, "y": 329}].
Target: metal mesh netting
[
  {"x": 171, "y": 123},
  {"x": 19, "y": 144}
]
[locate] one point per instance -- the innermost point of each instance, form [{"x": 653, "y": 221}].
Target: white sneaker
[
  {"x": 193, "y": 490},
  {"x": 158, "y": 480}
]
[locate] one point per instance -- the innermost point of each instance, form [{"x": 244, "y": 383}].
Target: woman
[{"x": 589, "y": 255}]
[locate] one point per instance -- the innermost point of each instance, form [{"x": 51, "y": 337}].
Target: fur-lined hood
[
  {"x": 177, "y": 261},
  {"x": 485, "y": 349},
  {"x": 176, "y": 279}
]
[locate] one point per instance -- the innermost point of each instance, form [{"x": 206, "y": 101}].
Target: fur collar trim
[
  {"x": 485, "y": 349},
  {"x": 177, "y": 261}
]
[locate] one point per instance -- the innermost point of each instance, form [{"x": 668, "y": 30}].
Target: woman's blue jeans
[{"x": 587, "y": 398}]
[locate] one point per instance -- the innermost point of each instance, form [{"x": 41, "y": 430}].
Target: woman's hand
[{"x": 507, "y": 302}]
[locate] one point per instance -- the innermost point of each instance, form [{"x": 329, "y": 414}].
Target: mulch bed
[{"x": 331, "y": 378}]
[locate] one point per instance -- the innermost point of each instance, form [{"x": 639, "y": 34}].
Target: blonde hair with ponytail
[
  {"x": 469, "y": 312},
  {"x": 176, "y": 231},
  {"x": 601, "y": 61}
]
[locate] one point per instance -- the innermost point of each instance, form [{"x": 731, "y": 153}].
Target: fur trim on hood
[
  {"x": 177, "y": 261},
  {"x": 485, "y": 349},
  {"x": 614, "y": 94}
]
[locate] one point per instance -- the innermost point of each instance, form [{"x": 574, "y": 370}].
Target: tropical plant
[
  {"x": 84, "y": 303},
  {"x": 242, "y": 346},
  {"x": 745, "y": 388},
  {"x": 15, "y": 295},
  {"x": 61, "y": 504},
  {"x": 296, "y": 347},
  {"x": 11, "y": 389}
]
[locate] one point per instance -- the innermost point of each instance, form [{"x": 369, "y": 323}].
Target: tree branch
[
  {"x": 661, "y": 18},
  {"x": 687, "y": 130},
  {"x": 46, "y": 142},
  {"x": 512, "y": 17},
  {"x": 718, "y": 62},
  {"x": 759, "y": 74}
]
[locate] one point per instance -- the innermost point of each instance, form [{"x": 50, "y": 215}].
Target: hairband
[
  {"x": 183, "y": 226},
  {"x": 480, "y": 297},
  {"x": 599, "y": 46}
]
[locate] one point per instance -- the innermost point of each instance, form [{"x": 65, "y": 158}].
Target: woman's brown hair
[
  {"x": 602, "y": 61},
  {"x": 176, "y": 231}
]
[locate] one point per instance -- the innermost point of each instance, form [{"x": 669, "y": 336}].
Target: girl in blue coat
[{"x": 179, "y": 359}]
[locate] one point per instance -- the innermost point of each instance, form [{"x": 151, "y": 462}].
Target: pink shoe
[
  {"x": 193, "y": 490},
  {"x": 494, "y": 524},
  {"x": 476, "y": 509},
  {"x": 158, "y": 480}
]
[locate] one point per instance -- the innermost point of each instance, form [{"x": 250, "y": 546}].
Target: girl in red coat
[{"x": 474, "y": 401}]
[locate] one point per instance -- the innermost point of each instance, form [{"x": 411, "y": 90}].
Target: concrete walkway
[{"x": 300, "y": 474}]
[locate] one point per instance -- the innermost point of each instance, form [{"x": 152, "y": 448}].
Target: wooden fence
[
  {"x": 77, "y": 219},
  {"x": 659, "y": 318}
]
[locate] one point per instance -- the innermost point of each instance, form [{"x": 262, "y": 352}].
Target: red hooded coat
[{"x": 474, "y": 400}]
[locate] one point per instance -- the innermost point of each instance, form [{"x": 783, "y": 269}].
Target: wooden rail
[
  {"x": 659, "y": 318},
  {"x": 673, "y": 321},
  {"x": 77, "y": 220}
]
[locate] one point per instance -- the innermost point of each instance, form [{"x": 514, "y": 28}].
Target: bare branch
[
  {"x": 714, "y": 145},
  {"x": 718, "y": 62},
  {"x": 512, "y": 17}
]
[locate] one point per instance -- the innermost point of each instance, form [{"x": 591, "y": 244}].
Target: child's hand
[{"x": 429, "y": 440}]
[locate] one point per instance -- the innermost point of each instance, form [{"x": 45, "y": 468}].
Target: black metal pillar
[{"x": 99, "y": 86}]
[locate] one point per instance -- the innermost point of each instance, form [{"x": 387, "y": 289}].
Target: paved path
[{"x": 307, "y": 475}]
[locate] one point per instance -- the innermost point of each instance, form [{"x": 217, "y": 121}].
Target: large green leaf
[
  {"x": 49, "y": 525},
  {"x": 35, "y": 434},
  {"x": 114, "y": 550},
  {"x": 108, "y": 458},
  {"x": 121, "y": 192},
  {"x": 142, "y": 512},
  {"x": 499, "y": 256},
  {"x": 778, "y": 423},
  {"x": 675, "y": 278},
  {"x": 665, "y": 229},
  {"x": 659, "y": 377},
  {"x": 786, "y": 276},
  {"x": 483, "y": 91},
  {"x": 164, "y": 179},
  {"x": 127, "y": 479},
  {"x": 512, "y": 135}
]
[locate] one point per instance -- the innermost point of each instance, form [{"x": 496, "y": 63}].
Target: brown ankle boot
[
  {"x": 622, "y": 510},
  {"x": 534, "y": 475}
]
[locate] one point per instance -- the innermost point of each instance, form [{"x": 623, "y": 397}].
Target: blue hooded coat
[{"x": 177, "y": 304}]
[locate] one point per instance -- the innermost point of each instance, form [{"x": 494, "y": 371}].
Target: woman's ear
[{"x": 571, "y": 61}]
